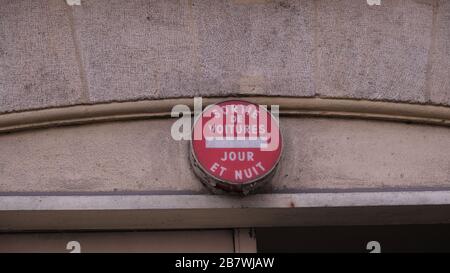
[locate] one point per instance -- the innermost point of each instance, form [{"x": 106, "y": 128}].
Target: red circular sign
[{"x": 235, "y": 144}]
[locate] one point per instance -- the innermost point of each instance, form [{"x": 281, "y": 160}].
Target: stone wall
[
  {"x": 132, "y": 157},
  {"x": 52, "y": 54}
]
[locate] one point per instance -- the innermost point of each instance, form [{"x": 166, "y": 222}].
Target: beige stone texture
[{"x": 140, "y": 156}]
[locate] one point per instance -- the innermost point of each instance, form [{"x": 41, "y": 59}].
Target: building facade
[{"x": 86, "y": 93}]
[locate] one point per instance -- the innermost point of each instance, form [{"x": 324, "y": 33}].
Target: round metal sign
[{"x": 235, "y": 146}]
